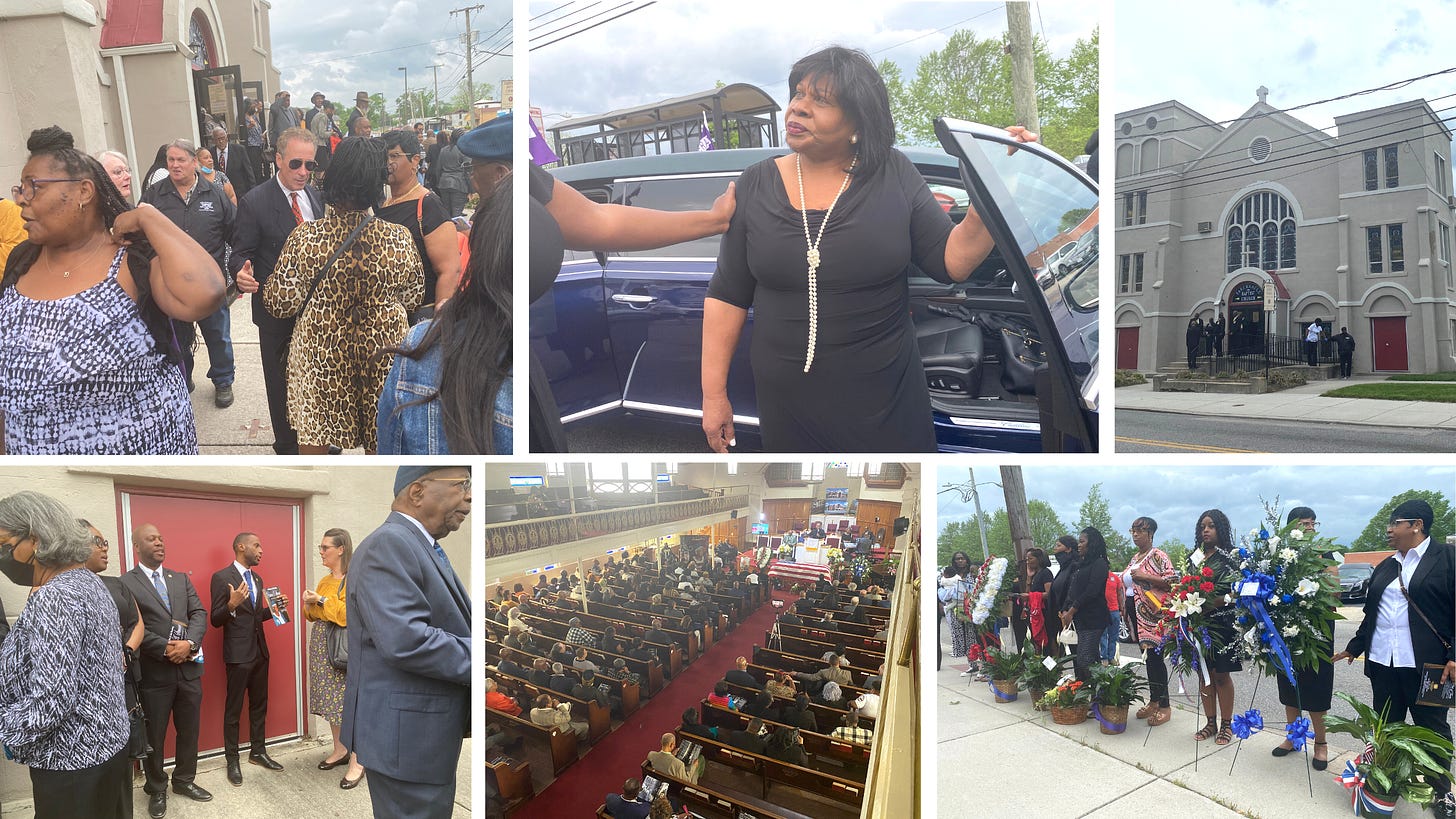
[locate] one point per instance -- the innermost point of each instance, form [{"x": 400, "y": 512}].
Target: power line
[
  {"x": 937, "y": 31},
  {"x": 338, "y": 57},
  {"x": 549, "y": 11},
  {"x": 533, "y": 36},
  {"x": 594, "y": 25}
]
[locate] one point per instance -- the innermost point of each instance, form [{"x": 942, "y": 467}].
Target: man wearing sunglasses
[
  {"x": 266, "y": 215},
  {"x": 407, "y": 696}
]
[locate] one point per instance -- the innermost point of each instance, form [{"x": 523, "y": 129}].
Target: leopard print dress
[{"x": 361, "y": 306}]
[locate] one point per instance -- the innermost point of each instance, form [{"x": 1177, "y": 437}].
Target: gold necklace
[
  {"x": 394, "y": 199},
  {"x": 812, "y": 255},
  {"x": 66, "y": 274}
]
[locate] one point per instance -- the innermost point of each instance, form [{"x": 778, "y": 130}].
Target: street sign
[{"x": 1269, "y": 294}]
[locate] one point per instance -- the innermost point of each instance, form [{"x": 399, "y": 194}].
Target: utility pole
[
  {"x": 436, "y": 68},
  {"x": 1023, "y": 66},
  {"x": 409, "y": 110},
  {"x": 470, "y": 53},
  {"x": 1016, "y": 513},
  {"x": 980, "y": 517}
]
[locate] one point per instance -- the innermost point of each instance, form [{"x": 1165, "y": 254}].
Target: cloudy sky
[
  {"x": 357, "y": 45},
  {"x": 1212, "y": 56},
  {"x": 674, "y": 48},
  {"x": 1344, "y": 497}
]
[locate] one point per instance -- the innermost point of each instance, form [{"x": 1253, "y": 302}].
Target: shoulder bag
[
  {"x": 336, "y": 646},
  {"x": 318, "y": 277}
]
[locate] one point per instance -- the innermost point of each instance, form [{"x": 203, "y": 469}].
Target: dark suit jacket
[
  {"x": 619, "y": 808},
  {"x": 743, "y": 678},
  {"x": 157, "y": 620},
  {"x": 1432, "y": 589},
  {"x": 243, "y": 640},
  {"x": 264, "y": 221},
  {"x": 239, "y": 168},
  {"x": 407, "y": 693},
  {"x": 752, "y": 744}
]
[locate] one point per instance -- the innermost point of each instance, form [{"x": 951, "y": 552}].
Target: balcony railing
[{"x": 510, "y": 538}]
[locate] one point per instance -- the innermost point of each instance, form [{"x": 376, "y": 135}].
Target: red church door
[
  {"x": 1127, "y": 348},
  {"x": 1388, "y": 336},
  {"x": 199, "y": 530}
]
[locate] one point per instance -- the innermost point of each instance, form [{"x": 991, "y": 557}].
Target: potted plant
[
  {"x": 1114, "y": 688},
  {"x": 1036, "y": 677},
  {"x": 1004, "y": 668},
  {"x": 1399, "y": 763},
  {"x": 1069, "y": 702}
]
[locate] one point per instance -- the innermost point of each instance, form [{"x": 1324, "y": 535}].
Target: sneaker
[
  {"x": 224, "y": 396},
  {"x": 1445, "y": 806}
]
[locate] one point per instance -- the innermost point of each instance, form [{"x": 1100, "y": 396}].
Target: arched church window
[{"x": 1266, "y": 222}]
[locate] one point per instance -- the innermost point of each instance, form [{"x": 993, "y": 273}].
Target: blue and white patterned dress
[{"x": 82, "y": 375}]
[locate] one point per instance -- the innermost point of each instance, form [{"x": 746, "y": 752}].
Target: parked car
[
  {"x": 1010, "y": 354},
  {"x": 1355, "y": 581}
]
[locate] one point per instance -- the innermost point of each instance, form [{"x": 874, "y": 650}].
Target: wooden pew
[
  {"x": 630, "y": 693},
  {"x": 843, "y": 791},
  {"x": 809, "y": 647},
  {"x": 598, "y": 717},
  {"x": 510, "y": 780},
  {"x": 871, "y": 645},
  {"x": 686, "y": 640},
  {"x": 824, "y": 716},
  {"x": 651, "y": 670},
  {"x": 559, "y": 739},
  {"x": 815, "y": 744},
  {"x": 761, "y": 673},
  {"x": 596, "y": 625},
  {"x": 708, "y": 802},
  {"x": 789, "y": 661}
]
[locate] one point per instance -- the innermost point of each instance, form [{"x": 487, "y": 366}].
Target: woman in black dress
[
  {"x": 424, "y": 216},
  {"x": 1036, "y": 576},
  {"x": 1214, "y": 537},
  {"x": 820, "y": 249},
  {"x": 1313, "y": 688},
  {"x": 1064, "y": 552},
  {"x": 1085, "y": 604}
]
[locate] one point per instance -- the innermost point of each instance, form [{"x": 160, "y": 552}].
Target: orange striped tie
[{"x": 297, "y": 214}]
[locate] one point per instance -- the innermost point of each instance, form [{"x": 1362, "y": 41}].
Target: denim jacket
[{"x": 419, "y": 429}]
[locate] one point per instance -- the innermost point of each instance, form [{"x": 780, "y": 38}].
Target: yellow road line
[{"x": 1175, "y": 445}]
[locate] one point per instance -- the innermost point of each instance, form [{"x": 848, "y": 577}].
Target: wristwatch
[{"x": 193, "y": 645}]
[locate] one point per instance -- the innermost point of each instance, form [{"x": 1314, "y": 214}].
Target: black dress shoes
[
  {"x": 235, "y": 771},
  {"x": 349, "y": 784},
  {"x": 262, "y": 758},
  {"x": 157, "y": 805},
  {"x": 326, "y": 765},
  {"x": 193, "y": 792}
]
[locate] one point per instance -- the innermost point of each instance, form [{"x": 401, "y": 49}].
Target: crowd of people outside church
[{"x": 133, "y": 267}]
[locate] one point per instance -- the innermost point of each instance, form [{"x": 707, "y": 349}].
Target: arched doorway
[
  {"x": 1246, "y": 319},
  {"x": 218, "y": 87}
]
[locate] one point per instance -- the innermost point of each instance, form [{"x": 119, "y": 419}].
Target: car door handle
[{"x": 633, "y": 300}]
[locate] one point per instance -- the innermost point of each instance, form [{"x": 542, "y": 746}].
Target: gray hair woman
[{"x": 62, "y": 710}]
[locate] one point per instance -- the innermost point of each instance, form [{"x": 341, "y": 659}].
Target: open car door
[{"x": 1042, "y": 214}]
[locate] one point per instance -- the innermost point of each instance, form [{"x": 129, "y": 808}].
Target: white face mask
[{"x": 204, "y": 169}]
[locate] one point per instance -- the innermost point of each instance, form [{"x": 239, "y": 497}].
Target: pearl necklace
[{"x": 812, "y": 255}]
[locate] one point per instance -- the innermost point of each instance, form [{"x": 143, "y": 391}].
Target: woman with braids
[
  {"x": 1085, "y": 603},
  {"x": 348, "y": 311},
  {"x": 88, "y": 363},
  {"x": 449, "y": 391},
  {"x": 1215, "y": 542}
]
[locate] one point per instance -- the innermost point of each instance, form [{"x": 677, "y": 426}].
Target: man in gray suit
[
  {"x": 171, "y": 666},
  {"x": 407, "y": 693}
]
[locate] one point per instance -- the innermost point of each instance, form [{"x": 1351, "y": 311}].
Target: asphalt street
[{"x": 1141, "y": 431}]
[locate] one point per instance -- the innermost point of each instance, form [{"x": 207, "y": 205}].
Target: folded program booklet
[
  {"x": 276, "y": 605},
  {"x": 1433, "y": 691}
]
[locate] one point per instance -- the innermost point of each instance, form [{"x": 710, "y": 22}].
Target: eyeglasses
[
  {"x": 463, "y": 483},
  {"x": 17, "y": 192},
  {"x": 1404, "y": 520},
  {"x": 295, "y": 164},
  {"x": 100, "y": 541}
]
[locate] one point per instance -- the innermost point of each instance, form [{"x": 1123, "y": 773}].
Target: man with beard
[
  {"x": 240, "y": 607},
  {"x": 407, "y": 695}
]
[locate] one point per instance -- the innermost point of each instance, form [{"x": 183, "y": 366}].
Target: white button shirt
[
  {"x": 304, "y": 206},
  {"x": 1391, "y": 644}
]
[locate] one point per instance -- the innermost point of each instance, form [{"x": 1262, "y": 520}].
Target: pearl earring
[{"x": 854, "y": 139}]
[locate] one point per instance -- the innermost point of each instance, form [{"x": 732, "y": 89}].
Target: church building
[{"x": 1352, "y": 229}]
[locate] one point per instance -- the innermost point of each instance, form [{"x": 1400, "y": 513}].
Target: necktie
[
  {"x": 161, "y": 588},
  {"x": 252, "y": 588},
  {"x": 297, "y": 214},
  {"x": 222, "y": 161},
  {"x": 440, "y": 550}
]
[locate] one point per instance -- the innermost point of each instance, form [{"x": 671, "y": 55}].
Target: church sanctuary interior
[{"x": 739, "y": 639}]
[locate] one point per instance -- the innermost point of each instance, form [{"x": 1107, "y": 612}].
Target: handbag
[
  {"x": 1068, "y": 636},
  {"x": 336, "y": 639},
  {"x": 137, "y": 746}
]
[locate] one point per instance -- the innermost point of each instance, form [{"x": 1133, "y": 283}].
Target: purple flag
[
  {"x": 541, "y": 153},
  {"x": 705, "y": 138}
]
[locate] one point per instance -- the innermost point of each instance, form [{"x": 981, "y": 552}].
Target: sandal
[
  {"x": 1317, "y": 763},
  {"x": 1160, "y": 716},
  {"x": 1225, "y": 734},
  {"x": 1147, "y": 711},
  {"x": 1206, "y": 732}
]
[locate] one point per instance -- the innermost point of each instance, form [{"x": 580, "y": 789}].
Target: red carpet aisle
[{"x": 582, "y": 787}]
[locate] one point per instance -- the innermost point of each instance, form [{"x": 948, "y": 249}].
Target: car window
[
  {"x": 1356, "y": 570},
  {"x": 675, "y": 194}
]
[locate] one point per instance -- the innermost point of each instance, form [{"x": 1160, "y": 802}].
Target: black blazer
[
  {"x": 239, "y": 168},
  {"x": 264, "y": 221},
  {"x": 1432, "y": 588},
  {"x": 243, "y": 640},
  {"x": 157, "y": 620},
  {"x": 1088, "y": 594},
  {"x": 743, "y": 678}
]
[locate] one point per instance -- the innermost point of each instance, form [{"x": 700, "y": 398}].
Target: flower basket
[
  {"x": 1069, "y": 715},
  {"x": 1036, "y": 697},
  {"x": 1112, "y": 719},
  {"x": 1004, "y": 690}
]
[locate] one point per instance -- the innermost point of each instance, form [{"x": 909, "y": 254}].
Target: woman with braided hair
[
  {"x": 88, "y": 362},
  {"x": 1214, "y": 537}
]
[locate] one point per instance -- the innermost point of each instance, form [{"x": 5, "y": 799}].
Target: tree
[
  {"x": 379, "y": 118},
  {"x": 421, "y": 102},
  {"x": 965, "y": 535},
  {"x": 1096, "y": 513},
  {"x": 970, "y": 78},
  {"x": 1175, "y": 549},
  {"x": 1373, "y": 537}
]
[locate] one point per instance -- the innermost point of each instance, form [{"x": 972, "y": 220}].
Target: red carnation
[
  {"x": 1206, "y": 586},
  {"x": 1207, "y": 572}
]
